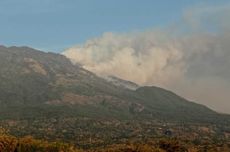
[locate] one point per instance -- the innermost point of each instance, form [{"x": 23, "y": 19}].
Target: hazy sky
[
  {"x": 181, "y": 45},
  {"x": 56, "y": 24}
]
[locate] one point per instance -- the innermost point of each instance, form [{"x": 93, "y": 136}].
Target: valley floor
[
  {"x": 83, "y": 134},
  {"x": 29, "y": 144}
]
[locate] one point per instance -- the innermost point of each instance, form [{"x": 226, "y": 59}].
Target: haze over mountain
[
  {"x": 117, "y": 76},
  {"x": 34, "y": 83},
  {"x": 170, "y": 44},
  {"x": 190, "y": 57},
  {"x": 45, "y": 96}
]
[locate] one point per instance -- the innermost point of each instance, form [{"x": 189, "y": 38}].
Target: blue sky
[{"x": 53, "y": 25}]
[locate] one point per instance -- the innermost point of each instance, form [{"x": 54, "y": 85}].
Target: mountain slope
[
  {"x": 38, "y": 84},
  {"x": 122, "y": 83}
]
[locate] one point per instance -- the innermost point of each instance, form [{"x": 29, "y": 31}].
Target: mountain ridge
[{"x": 34, "y": 78}]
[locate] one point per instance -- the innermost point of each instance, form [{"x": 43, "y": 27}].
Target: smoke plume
[{"x": 191, "y": 58}]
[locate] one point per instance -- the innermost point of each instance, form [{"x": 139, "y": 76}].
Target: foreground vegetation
[{"x": 29, "y": 144}]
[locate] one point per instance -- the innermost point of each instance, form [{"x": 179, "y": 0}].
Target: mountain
[
  {"x": 122, "y": 83},
  {"x": 45, "y": 96},
  {"x": 32, "y": 79}
]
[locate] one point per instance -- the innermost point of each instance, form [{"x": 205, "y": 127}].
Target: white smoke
[
  {"x": 140, "y": 57},
  {"x": 193, "y": 59}
]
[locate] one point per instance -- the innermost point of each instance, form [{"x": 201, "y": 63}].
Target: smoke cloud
[{"x": 191, "y": 58}]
